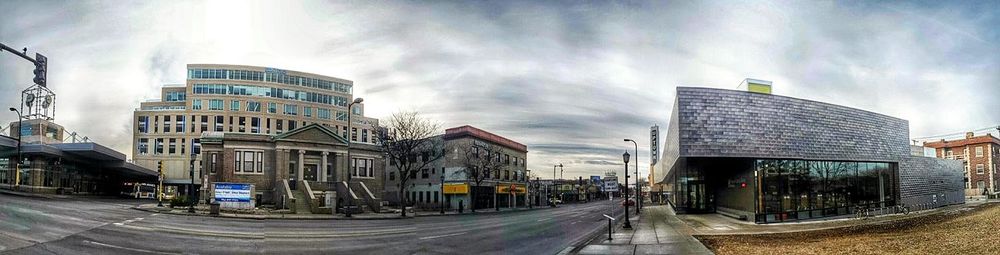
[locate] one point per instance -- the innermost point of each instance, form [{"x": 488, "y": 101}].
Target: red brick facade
[{"x": 981, "y": 155}]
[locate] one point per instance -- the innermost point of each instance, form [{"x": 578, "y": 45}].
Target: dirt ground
[{"x": 973, "y": 231}]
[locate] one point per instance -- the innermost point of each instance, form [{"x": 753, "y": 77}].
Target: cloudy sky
[{"x": 570, "y": 80}]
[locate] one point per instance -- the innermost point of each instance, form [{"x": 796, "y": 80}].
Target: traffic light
[
  {"x": 41, "y": 64},
  {"x": 159, "y": 167}
]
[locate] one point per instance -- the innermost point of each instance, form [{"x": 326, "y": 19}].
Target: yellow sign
[
  {"x": 456, "y": 188},
  {"x": 506, "y": 188},
  {"x": 759, "y": 88}
]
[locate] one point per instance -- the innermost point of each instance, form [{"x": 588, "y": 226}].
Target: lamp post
[
  {"x": 191, "y": 190},
  {"x": 442, "y": 192},
  {"x": 350, "y": 162},
  {"x": 527, "y": 189},
  {"x": 638, "y": 190},
  {"x": 17, "y": 166},
  {"x": 628, "y": 225},
  {"x": 552, "y": 202}
]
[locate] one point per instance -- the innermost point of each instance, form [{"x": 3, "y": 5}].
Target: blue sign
[{"x": 232, "y": 192}]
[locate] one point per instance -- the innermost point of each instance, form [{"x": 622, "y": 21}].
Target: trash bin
[{"x": 214, "y": 209}]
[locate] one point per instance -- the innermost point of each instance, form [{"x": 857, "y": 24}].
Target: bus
[{"x": 139, "y": 190}]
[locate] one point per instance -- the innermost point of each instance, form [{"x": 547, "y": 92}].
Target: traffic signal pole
[{"x": 22, "y": 54}]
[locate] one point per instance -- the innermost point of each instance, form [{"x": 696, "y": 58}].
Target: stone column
[
  {"x": 322, "y": 168},
  {"x": 299, "y": 166}
]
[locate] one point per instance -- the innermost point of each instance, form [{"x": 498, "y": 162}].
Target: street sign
[{"x": 609, "y": 217}]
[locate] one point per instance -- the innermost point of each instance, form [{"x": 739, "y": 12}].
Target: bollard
[{"x": 610, "y": 227}]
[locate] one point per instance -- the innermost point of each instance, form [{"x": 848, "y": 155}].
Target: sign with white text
[{"x": 232, "y": 192}]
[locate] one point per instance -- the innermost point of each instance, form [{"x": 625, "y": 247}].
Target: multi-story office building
[
  {"x": 237, "y": 99},
  {"x": 769, "y": 158},
  {"x": 979, "y": 154},
  {"x": 503, "y": 188}
]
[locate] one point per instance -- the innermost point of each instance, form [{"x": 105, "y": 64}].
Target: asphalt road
[{"x": 109, "y": 226}]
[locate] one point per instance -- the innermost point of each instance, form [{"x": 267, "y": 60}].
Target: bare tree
[
  {"x": 480, "y": 163},
  {"x": 407, "y": 139}
]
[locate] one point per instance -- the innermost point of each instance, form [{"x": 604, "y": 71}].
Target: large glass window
[
  {"x": 143, "y": 146},
  {"x": 323, "y": 113},
  {"x": 196, "y": 104},
  {"x": 234, "y": 105},
  {"x": 797, "y": 189},
  {"x": 253, "y": 106}
]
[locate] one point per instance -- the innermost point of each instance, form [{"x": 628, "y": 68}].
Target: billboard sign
[
  {"x": 654, "y": 144},
  {"x": 610, "y": 184},
  {"x": 232, "y": 192},
  {"x": 456, "y": 188}
]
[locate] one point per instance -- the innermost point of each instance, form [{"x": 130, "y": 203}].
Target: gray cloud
[{"x": 570, "y": 80}]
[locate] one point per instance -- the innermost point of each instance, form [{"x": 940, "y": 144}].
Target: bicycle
[{"x": 902, "y": 209}]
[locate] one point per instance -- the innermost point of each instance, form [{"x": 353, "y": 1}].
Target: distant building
[
  {"x": 507, "y": 188},
  {"x": 979, "y": 155}
]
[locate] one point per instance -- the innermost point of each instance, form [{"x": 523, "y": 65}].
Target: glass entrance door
[{"x": 697, "y": 198}]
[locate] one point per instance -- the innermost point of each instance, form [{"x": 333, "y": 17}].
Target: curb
[
  {"x": 282, "y": 216},
  {"x": 590, "y": 237}
]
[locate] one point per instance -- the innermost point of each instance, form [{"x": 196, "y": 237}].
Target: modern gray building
[{"x": 770, "y": 158}]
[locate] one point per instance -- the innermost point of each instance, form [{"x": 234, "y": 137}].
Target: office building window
[
  {"x": 234, "y": 105},
  {"x": 307, "y": 111},
  {"x": 143, "y": 146},
  {"x": 291, "y": 125},
  {"x": 424, "y": 174},
  {"x": 364, "y": 135},
  {"x": 980, "y": 169},
  {"x": 193, "y": 121},
  {"x": 253, "y": 106},
  {"x": 179, "y": 124},
  {"x": 196, "y": 104},
  {"x": 158, "y": 143},
  {"x": 243, "y": 124},
  {"x": 204, "y": 123},
  {"x": 196, "y": 146},
  {"x": 354, "y": 134},
  {"x": 143, "y": 124},
  {"x": 172, "y": 146},
  {"x": 291, "y": 109},
  {"x": 272, "y": 108},
  {"x": 215, "y": 104},
  {"x": 255, "y": 125},
  {"x": 176, "y": 96},
  {"x": 323, "y": 113},
  {"x": 218, "y": 123},
  {"x": 166, "y": 124}
]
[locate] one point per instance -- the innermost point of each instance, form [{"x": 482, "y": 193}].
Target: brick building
[
  {"x": 980, "y": 155},
  {"x": 305, "y": 169}
]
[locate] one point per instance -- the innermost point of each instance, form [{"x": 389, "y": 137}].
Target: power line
[{"x": 956, "y": 133}]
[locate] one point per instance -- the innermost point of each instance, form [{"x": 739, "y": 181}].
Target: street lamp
[
  {"x": 638, "y": 190},
  {"x": 350, "y": 162},
  {"x": 442, "y": 192},
  {"x": 527, "y": 189},
  {"x": 552, "y": 202},
  {"x": 17, "y": 167},
  {"x": 191, "y": 191},
  {"x": 628, "y": 225}
]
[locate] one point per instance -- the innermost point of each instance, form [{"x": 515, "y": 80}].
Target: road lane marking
[
  {"x": 432, "y": 237},
  {"x": 125, "y": 248}
]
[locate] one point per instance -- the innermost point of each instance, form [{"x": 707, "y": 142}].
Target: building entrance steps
[
  {"x": 301, "y": 202},
  {"x": 656, "y": 231}
]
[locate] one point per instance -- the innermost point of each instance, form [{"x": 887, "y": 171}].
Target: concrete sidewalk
[
  {"x": 202, "y": 210},
  {"x": 656, "y": 231}
]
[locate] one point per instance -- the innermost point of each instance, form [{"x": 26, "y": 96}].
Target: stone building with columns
[{"x": 305, "y": 169}]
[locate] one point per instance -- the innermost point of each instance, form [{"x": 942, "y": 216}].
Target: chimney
[{"x": 968, "y": 135}]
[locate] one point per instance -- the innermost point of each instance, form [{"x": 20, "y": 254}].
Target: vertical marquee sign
[{"x": 654, "y": 144}]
